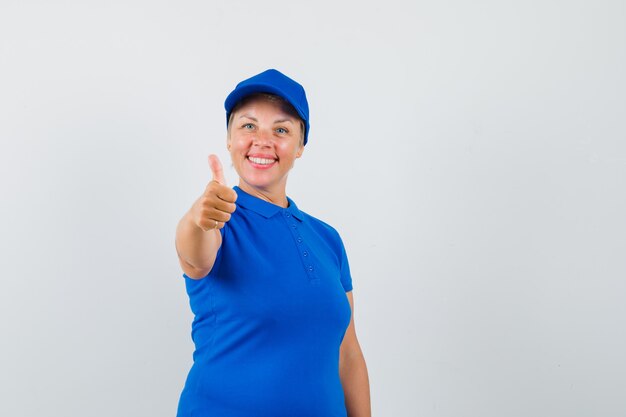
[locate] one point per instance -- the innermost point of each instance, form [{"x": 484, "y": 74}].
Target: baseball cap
[{"x": 274, "y": 82}]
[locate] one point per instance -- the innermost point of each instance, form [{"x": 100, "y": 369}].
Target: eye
[
  {"x": 248, "y": 126},
  {"x": 282, "y": 130}
]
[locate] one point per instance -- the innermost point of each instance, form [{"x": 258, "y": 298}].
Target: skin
[
  {"x": 261, "y": 129},
  {"x": 353, "y": 371}
]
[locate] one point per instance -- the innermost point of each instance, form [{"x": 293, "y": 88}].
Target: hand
[{"x": 214, "y": 207}]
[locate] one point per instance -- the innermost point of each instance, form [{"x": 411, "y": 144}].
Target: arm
[
  {"x": 353, "y": 372},
  {"x": 197, "y": 236},
  {"x": 196, "y": 248}
]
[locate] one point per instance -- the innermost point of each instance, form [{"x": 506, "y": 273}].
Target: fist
[{"x": 215, "y": 206}]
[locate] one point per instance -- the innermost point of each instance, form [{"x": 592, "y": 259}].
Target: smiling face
[{"x": 265, "y": 137}]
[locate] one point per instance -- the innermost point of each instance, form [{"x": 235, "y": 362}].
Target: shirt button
[
  {"x": 293, "y": 226},
  {"x": 288, "y": 215},
  {"x": 311, "y": 268},
  {"x": 305, "y": 253},
  {"x": 299, "y": 240}
]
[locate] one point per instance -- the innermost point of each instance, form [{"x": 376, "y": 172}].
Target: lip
[{"x": 261, "y": 156}]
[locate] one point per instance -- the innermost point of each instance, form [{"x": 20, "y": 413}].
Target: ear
[{"x": 300, "y": 151}]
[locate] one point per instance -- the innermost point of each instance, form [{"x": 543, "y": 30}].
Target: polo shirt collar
[{"x": 264, "y": 208}]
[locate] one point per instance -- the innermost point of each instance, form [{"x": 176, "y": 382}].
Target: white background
[{"x": 471, "y": 154}]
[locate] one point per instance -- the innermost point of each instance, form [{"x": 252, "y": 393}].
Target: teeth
[{"x": 261, "y": 161}]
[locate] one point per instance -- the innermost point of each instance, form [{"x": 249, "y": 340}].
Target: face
[{"x": 264, "y": 141}]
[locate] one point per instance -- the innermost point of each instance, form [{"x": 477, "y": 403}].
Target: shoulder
[
  {"x": 321, "y": 226},
  {"x": 316, "y": 221}
]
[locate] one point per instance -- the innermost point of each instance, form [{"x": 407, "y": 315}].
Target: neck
[{"x": 276, "y": 197}]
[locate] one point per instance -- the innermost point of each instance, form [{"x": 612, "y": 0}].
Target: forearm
[
  {"x": 355, "y": 382},
  {"x": 196, "y": 248}
]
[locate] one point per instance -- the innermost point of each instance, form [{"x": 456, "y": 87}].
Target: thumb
[{"x": 216, "y": 169}]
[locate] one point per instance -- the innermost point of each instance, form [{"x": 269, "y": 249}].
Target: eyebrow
[
  {"x": 247, "y": 116},
  {"x": 283, "y": 121}
]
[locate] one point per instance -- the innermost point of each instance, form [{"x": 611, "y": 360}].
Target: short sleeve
[{"x": 344, "y": 269}]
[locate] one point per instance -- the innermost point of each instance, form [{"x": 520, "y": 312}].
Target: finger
[
  {"x": 224, "y": 206},
  {"x": 216, "y": 169},
  {"x": 223, "y": 192},
  {"x": 208, "y": 217},
  {"x": 212, "y": 202},
  {"x": 228, "y": 195},
  {"x": 211, "y": 224}
]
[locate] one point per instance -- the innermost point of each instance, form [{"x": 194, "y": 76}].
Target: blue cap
[{"x": 273, "y": 82}]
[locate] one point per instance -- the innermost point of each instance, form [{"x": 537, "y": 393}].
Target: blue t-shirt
[{"x": 269, "y": 318}]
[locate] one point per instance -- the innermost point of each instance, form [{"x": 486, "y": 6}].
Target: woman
[{"x": 269, "y": 285}]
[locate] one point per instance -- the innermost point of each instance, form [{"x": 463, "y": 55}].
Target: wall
[{"x": 472, "y": 154}]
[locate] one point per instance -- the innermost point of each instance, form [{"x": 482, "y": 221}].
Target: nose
[{"x": 263, "y": 138}]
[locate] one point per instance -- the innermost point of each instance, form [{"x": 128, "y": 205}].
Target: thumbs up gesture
[{"x": 214, "y": 207}]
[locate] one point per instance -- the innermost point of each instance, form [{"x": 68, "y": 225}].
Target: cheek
[
  {"x": 287, "y": 147},
  {"x": 286, "y": 152},
  {"x": 238, "y": 144}
]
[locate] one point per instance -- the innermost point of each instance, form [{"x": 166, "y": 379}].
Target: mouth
[{"x": 261, "y": 161}]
